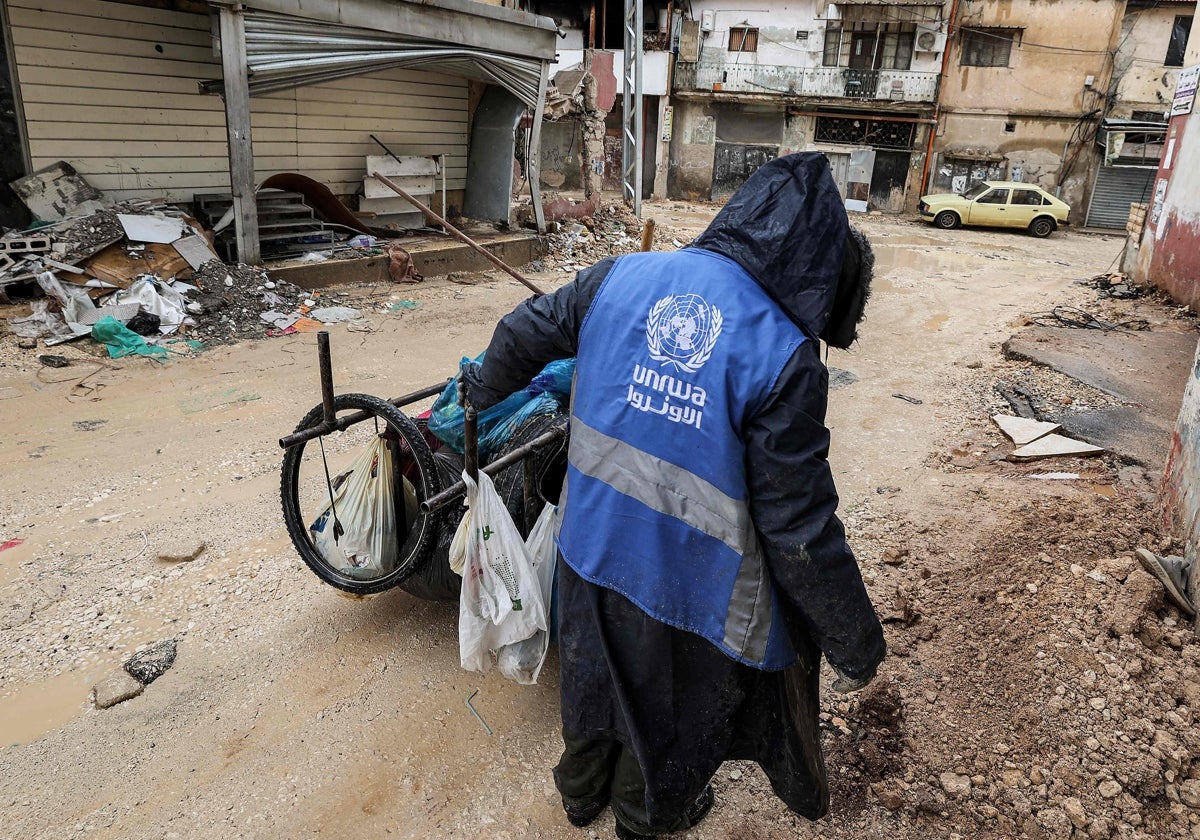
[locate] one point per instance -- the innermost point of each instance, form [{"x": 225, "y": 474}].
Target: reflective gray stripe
[{"x": 682, "y": 495}]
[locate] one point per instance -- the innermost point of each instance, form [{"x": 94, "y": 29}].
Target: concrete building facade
[{"x": 854, "y": 80}]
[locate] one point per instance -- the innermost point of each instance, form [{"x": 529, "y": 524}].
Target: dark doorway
[
  {"x": 888, "y": 180},
  {"x": 13, "y": 212}
]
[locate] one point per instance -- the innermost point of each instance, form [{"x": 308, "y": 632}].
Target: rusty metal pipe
[
  {"x": 451, "y": 494},
  {"x": 326, "y": 362},
  {"x": 456, "y": 233},
  {"x": 349, "y": 420}
]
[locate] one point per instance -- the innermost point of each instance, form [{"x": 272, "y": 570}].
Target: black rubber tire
[
  {"x": 947, "y": 220},
  {"x": 1042, "y": 226},
  {"x": 416, "y": 549}
]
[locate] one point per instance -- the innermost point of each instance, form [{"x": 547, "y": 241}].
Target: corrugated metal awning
[{"x": 285, "y": 52}]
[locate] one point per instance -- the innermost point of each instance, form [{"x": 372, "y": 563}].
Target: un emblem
[{"x": 682, "y": 330}]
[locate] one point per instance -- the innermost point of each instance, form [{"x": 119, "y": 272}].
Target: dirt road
[{"x": 291, "y": 711}]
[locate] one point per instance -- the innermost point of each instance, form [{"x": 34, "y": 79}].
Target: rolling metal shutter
[{"x": 1112, "y": 193}]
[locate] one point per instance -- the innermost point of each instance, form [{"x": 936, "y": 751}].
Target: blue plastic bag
[{"x": 548, "y": 393}]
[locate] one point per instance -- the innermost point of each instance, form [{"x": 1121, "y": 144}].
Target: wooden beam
[{"x": 237, "y": 125}]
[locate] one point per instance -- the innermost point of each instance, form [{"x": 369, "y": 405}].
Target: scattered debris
[
  {"x": 1070, "y": 316},
  {"x": 117, "y": 687},
  {"x": 909, "y": 399},
  {"x": 1057, "y": 476},
  {"x": 839, "y": 378},
  {"x": 7, "y": 544},
  {"x": 54, "y": 361},
  {"x": 478, "y": 717},
  {"x": 148, "y": 665},
  {"x": 1052, "y": 446},
  {"x": 182, "y": 552},
  {"x": 1023, "y": 430},
  {"x": 55, "y": 192}
]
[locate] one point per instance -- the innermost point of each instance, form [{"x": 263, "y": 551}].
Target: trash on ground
[
  {"x": 908, "y": 399},
  {"x": 54, "y": 361},
  {"x": 1052, "y": 446},
  {"x": 335, "y": 314},
  {"x": 148, "y": 665},
  {"x": 1022, "y": 430}
]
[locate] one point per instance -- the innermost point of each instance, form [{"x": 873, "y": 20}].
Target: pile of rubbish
[
  {"x": 611, "y": 231},
  {"x": 146, "y": 275}
]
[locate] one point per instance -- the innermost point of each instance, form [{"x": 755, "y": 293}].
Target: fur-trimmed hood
[{"x": 787, "y": 227}]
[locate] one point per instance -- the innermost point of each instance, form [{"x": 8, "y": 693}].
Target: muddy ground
[{"x": 1036, "y": 685}]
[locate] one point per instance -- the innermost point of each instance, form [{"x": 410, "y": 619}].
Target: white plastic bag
[
  {"x": 501, "y": 602},
  {"x": 523, "y": 661},
  {"x": 365, "y": 546}
]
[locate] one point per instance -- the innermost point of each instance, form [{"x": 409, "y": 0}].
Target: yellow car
[{"x": 997, "y": 204}]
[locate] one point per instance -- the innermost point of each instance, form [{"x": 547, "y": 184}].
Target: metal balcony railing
[{"x": 833, "y": 82}]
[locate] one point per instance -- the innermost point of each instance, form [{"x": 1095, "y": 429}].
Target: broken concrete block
[
  {"x": 1021, "y": 430},
  {"x": 116, "y": 688},
  {"x": 25, "y": 244},
  {"x": 151, "y": 663},
  {"x": 1054, "y": 446}
]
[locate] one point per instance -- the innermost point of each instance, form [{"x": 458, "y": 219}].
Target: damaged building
[{"x": 183, "y": 99}]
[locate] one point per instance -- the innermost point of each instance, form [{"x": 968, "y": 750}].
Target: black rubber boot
[
  {"x": 698, "y": 811},
  {"x": 585, "y": 814}
]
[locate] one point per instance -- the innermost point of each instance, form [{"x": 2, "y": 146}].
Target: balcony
[{"x": 832, "y": 82}]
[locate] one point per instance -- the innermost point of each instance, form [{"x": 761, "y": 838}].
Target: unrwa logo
[{"x": 682, "y": 330}]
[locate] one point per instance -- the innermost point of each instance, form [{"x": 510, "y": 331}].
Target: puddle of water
[
  {"x": 936, "y": 322},
  {"x": 926, "y": 260},
  {"x": 33, "y": 710}
]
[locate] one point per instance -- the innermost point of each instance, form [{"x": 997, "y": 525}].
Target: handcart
[{"x": 427, "y": 489}]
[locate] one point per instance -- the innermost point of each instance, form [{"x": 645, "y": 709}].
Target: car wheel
[
  {"x": 1042, "y": 227},
  {"x": 946, "y": 220}
]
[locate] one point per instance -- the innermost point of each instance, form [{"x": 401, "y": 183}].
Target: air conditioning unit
[{"x": 930, "y": 38}]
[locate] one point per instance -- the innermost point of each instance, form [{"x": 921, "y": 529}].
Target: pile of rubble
[
  {"x": 613, "y": 230},
  {"x": 152, "y": 269}
]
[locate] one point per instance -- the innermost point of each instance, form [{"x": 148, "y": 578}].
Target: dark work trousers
[
  {"x": 590, "y": 770},
  {"x": 649, "y": 713}
]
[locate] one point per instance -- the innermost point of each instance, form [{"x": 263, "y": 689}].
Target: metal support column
[
  {"x": 533, "y": 159},
  {"x": 631, "y": 103},
  {"x": 237, "y": 123}
]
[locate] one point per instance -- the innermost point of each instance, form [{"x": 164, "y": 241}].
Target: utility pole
[{"x": 631, "y": 103}]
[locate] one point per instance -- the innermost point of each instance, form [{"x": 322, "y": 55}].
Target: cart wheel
[{"x": 304, "y": 492}]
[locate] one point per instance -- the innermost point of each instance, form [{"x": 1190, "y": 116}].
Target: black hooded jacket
[{"x": 788, "y": 229}]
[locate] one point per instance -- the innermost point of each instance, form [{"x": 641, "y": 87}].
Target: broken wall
[
  {"x": 113, "y": 89},
  {"x": 691, "y": 169},
  {"x": 1143, "y": 82},
  {"x": 562, "y": 144},
  {"x": 1181, "y": 481}
]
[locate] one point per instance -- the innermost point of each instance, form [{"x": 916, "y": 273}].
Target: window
[
  {"x": 743, "y": 39},
  {"x": 994, "y": 197},
  {"x": 1027, "y": 197},
  {"x": 988, "y": 47},
  {"x": 833, "y": 46},
  {"x": 858, "y": 131},
  {"x": 1179, "y": 38},
  {"x": 897, "y": 50}
]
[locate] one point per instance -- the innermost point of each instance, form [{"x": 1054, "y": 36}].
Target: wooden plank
[
  {"x": 94, "y": 80},
  {"x": 182, "y": 152},
  {"x": 50, "y": 131},
  {"x": 42, "y": 57},
  {"x": 237, "y": 120},
  {"x": 116, "y": 11},
  {"x": 391, "y": 108},
  {"x": 136, "y": 116},
  {"x": 64, "y": 22}
]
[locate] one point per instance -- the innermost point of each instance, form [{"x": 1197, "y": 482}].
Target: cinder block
[{"x": 25, "y": 244}]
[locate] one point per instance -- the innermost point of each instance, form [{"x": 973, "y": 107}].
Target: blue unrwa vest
[{"x": 677, "y": 353}]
